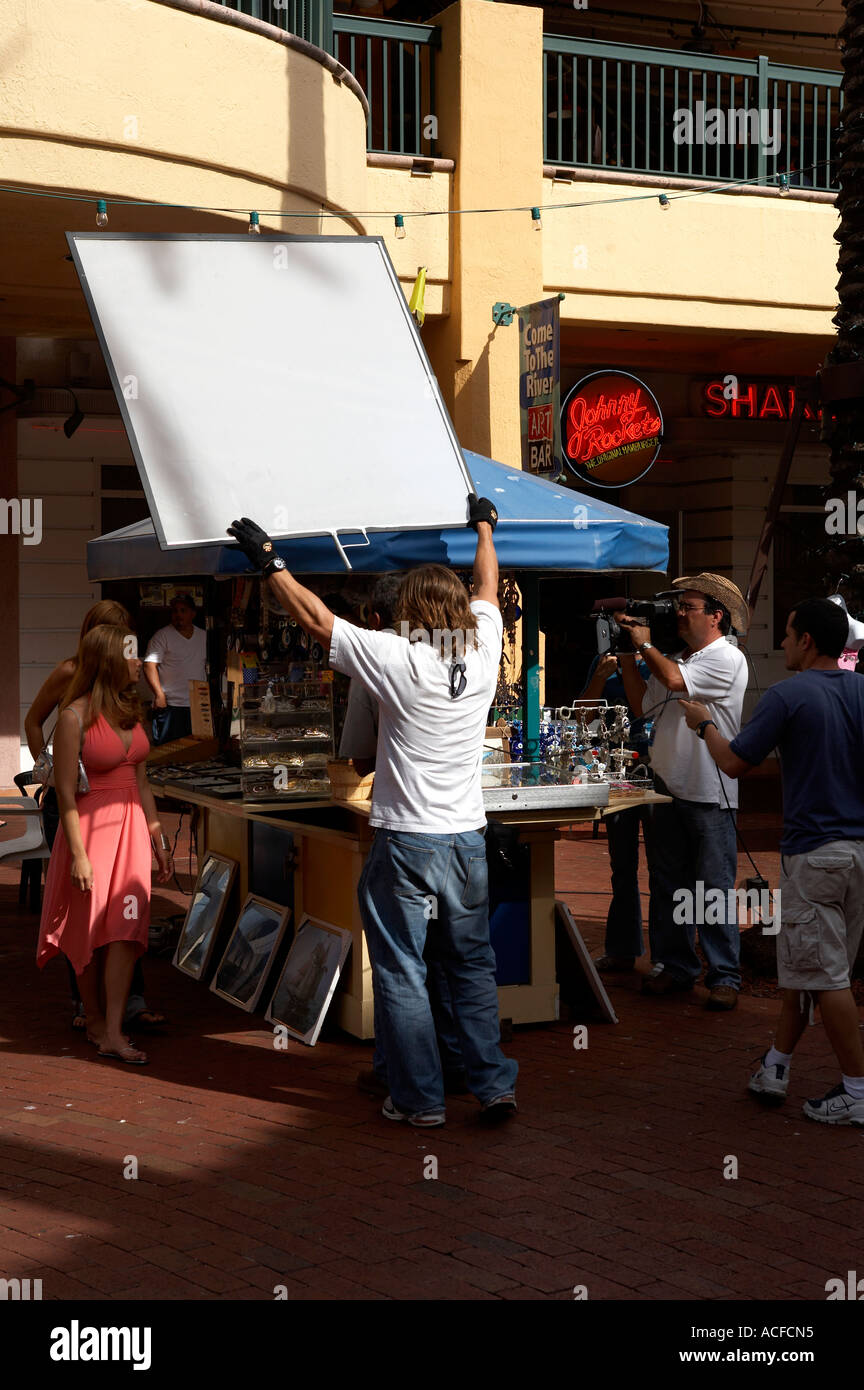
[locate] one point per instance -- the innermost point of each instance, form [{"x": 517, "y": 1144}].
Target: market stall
[{"x": 263, "y": 799}]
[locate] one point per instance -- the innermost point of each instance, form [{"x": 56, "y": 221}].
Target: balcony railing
[
  {"x": 308, "y": 19},
  {"x": 647, "y": 110},
  {"x": 606, "y": 105},
  {"x": 395, "y": 65}
]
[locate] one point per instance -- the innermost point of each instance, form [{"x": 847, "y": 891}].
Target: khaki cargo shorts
[{"x": 821, "y": 916}]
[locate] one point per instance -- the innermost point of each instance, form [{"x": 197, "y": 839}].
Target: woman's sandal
[{"x": 130, "y": 1055}]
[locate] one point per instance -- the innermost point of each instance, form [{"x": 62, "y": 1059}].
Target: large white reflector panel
[{"x": 277, "y": 378}]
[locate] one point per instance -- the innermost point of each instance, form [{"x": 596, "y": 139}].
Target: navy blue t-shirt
[{"x": 815, "y": 720}]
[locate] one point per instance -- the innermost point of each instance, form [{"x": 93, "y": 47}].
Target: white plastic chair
[{"x": 31, "y": 843}]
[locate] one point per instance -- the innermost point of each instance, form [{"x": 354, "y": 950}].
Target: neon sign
[
  {"x": 611, "y": 429},
  {"x": 755, "y": 400}
]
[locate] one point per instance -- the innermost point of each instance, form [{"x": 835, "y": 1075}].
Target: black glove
[
  {"x": 255, "y": 542},
  {"x": 481, "y": 509}
]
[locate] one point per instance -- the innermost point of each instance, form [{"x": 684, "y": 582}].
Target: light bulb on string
[
  {"x": 537, "y": 219},
  {"x": 665, "y": 205},
  {"x": 253, "y": 229},
  {"x": 101, "y": 213},
  {"x": 400, "y": 226},
  {"x": 783, "y": 186}
]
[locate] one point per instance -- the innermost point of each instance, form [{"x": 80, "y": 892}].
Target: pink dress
[{"x": 114, "y": 831}]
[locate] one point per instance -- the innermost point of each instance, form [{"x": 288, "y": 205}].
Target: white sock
[
  {"x": 854, "y": 1087},
  {"x": 773, "y": 1058}
]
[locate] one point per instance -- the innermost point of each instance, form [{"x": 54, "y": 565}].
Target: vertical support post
[
  {"x": 529, "y": 588},
  {"x": 762, "y": 105},
  {"x": 318, "y": 24},
  {"x": 805, "y": 394},
  {"x": 10, "y": 556}
]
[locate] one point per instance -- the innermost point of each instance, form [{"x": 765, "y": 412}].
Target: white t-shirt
[
  {"x": 430, "y": 747},
  {"x": 180, "y": 660},
  {"x": 716, "y": 675}
]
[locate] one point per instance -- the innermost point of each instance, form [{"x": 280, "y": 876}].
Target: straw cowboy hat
[{"x": 727, "y": 593}]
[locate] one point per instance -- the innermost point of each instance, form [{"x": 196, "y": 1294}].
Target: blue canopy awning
[{"x": 541, "y": 526}]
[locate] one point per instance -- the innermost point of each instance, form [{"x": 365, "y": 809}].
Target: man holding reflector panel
[{"x": 427, "y": 866}]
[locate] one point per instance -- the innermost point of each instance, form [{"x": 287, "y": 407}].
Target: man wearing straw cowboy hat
[{"x": 691, "y": 841}]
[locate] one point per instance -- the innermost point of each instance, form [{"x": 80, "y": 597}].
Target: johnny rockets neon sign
[
  {"x": 611, "y": 429},
  {"x": 755, "y": 400}
]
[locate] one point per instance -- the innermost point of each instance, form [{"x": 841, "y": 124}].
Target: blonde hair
[
  {"x": 105, "y": 611},
  {"x": 101, "y": 672}
]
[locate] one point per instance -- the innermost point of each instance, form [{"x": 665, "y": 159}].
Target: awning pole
[{"x": 529, "y": 588}]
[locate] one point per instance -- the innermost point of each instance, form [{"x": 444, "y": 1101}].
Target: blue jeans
[
  {"x": 446, "y": 1028},
  {"x": 688, "y": 842},
  {"x": 412, "y": 885},
  {"x": 624, "y": 919}
]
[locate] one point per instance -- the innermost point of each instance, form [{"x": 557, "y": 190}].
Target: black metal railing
[
  {"x": 395, "y": 65},
  {"x": 695, "y": 115},
  {"x": 308, "y": 19}
]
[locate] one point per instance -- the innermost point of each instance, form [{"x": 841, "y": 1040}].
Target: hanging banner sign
[
  {"x": 540, "y": 387},
  {"x": 611, "y": 428}
]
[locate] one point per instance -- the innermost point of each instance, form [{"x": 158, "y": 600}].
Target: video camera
[{"x": 659, "y": 614}]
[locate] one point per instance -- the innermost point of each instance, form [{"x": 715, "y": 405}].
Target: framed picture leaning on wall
[
  {"x": 308, "y": 980},
  {"x": 242, "y": 971},
  {"x": 205, "y": 914}
]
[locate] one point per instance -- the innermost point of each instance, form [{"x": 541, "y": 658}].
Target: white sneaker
[
  {"x": 422, "y": 1119},
  {"x": 770, "y": 1084},
  {"x": 837, "y": 1108}
]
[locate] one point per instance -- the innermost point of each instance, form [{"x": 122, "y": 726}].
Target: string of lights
[{"x": 399, "y": 218}]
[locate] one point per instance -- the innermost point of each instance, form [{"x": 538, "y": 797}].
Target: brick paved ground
[{"x": 259, "y": 1168}]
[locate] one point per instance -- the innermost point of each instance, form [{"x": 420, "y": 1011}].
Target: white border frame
[
  {"x": 233, "y": 867},
  {"x": 310, "y": 1037},
  {"x": 283, "y": 915}
]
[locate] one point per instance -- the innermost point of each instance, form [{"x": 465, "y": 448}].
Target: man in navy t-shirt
[{"x": 816, "y": 723}]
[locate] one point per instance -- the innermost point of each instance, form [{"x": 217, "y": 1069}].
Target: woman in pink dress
[{"x": 97, "y": 893}]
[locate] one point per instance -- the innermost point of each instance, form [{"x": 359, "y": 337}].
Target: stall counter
[{"x": 323, "y": 846}]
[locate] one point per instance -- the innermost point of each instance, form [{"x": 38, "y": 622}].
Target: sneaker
[
  {"x": 661, "y": 981},
  {"x": 420, "y": 1119},
  {"x": 722, "y": 997},
  {"x": 770, "y": 1084},
  {"x": 837, "y": 1108},
  {"x": 614, "y": 965},
  {"x": 499, "y": 1109},
  {"x": 370, "y": 1083}
]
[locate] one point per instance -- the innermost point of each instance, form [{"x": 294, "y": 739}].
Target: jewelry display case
[{"x": 286, "y": 735}]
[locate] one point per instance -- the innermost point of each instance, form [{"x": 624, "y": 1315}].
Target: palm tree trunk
[{"x": 842, "y": 377}]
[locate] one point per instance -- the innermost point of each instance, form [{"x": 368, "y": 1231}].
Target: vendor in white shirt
[
  {"x": 428, "y": 859},
  {"x": 359, "y": 742},
  {"x": 176, "y": 655},
  {"x": 694, "y": 838}
]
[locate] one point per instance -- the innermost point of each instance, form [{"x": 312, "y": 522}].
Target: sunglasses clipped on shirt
[{"x": 458, "y": 679}]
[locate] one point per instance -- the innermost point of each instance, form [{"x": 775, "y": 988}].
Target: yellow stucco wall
[
  {"x": 490, "y": 123},
  {"x": 427, "y": 239},
  {"x": 717, "y": 261},
  {"x": 141, "y": 100},
  {"x": 136, "y": 99}
]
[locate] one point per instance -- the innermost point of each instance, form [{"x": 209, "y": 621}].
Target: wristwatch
[
  {"x": 644, "y": 646},
  {"x": 700, "y": 728},
  {"x": 272, "y": 566}
]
